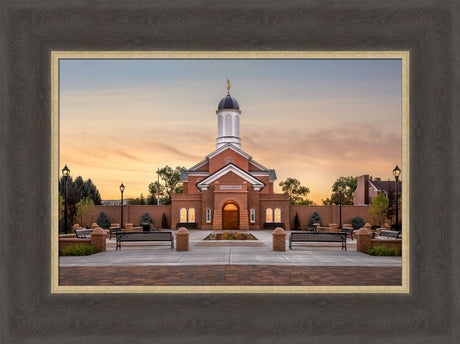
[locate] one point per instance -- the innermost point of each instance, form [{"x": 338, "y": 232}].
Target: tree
[
  {"x": 349, "y": 185},
  {"x": 378, "y": 209},
  {"x": 137, "y": 201},
  {"x": 171, "y": 184},
  {"x": 86, "y": 212},
  {"x": 103, "y": 221},
  {"x": 297, "y": 192}
]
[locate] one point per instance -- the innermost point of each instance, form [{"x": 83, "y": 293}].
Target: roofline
[{"x": 241, "y": 174}]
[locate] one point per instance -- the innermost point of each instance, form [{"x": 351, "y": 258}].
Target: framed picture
[
  {"x": 303, "y": 108},
  {"x": 32, "y": 312}
]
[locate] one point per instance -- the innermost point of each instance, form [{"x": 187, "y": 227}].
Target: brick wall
[
  {"x": 328, "y": 213},
  {"x": 132, "y": 213}
]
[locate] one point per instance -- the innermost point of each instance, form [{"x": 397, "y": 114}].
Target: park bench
[
  {"x": 113, "y": 231},
  {"x": 318, "y": 237},
  {"x": 273, "y": 225},
  {"x": 83, "y": 233},
  {"x": 385, "y": 234},
  {"x": 143, "y": 236},
  {"x": 348, "y": 231},
  {"x": 312, "y": 228}
]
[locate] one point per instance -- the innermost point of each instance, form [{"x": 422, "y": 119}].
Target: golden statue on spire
[{"x": 228, "y": 86}]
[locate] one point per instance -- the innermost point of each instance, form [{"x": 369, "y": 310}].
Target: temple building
[{"x": 228, "y": 189}]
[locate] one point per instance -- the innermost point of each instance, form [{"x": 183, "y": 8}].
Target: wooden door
[{"x": 230, "y": 216}]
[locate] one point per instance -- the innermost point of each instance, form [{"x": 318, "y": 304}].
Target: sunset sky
[{"x": 314, "y": 120}]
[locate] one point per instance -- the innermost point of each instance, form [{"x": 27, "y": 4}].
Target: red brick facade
[{"x": 229, "y": 175}]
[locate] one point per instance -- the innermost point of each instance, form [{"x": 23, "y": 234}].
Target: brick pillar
[
  {"x": 114, "y": 225},
  {"x": 368, "y": 226},
  {"x": 279, "y": 239},
  {"x": 244, "y": 219},
  {"x": 98, "y": 239},
  {"x": 333, "y": 227},
  {"x": 74, "y": 227},
  {"x": 363, "y": 240},
  {"x": 378, "y": 230},
  {"x": 217, "y": 223},
  {"x": 94, "y": 226},
  {"x": 182, "y": 239},
  {"x": 129, "y": 227}
]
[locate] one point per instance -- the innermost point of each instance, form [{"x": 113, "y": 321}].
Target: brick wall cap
[
  {"x": 279, "y": 231},
  {"x": 94, "y": 225},
  {"x": 363, "y": 230},
  {"x": 182, "y": 231},
  {"x": 368, "y": 225},
  {"x": 98, "y": 231},
  {"x": 332, "y": 224}
]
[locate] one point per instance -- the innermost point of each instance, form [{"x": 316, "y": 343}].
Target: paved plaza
[{"x": 230, "y": 263}]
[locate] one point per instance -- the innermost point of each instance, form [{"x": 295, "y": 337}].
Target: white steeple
[{"x": 228, "y": 121}]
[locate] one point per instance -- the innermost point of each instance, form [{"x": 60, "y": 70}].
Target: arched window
[
  {"x": 208, "y": 215},
  {"x": 228, "y": 124},
  {"x": 269, "y": 215},
  {"x": 219, "y": 126},
  {"x": 237, "y": 126},
  {"x": 183, "y": 215},
  {"x": 252, "y": 215},
  {"x": 277, "y": 215},
  {"x": 191, "y": 215}
]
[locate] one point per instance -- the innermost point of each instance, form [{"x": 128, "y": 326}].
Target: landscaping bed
[{"x": 230, "y": 236}]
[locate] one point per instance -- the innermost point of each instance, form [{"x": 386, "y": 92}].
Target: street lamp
[
  {"x": 340, "y": 188},
  {"x": 65, "y": 175},
  {"x": 122, "y": 188},
  {"x": 396, "y": 173}
]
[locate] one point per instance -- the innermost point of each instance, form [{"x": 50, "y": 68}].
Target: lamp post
[
  {"x": 340, "y": 188},
  {"x": 397, "y": 173},
  {"x": 122, "y": 188},
  {"x": 65, "y": 175}
]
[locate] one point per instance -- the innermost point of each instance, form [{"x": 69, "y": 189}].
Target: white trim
[
  {"x": 199, "y": 174},
  {"x": 231, "y": 168},
  {"x": 194, "y": 167},
  {"x": 232, "y": 147}
]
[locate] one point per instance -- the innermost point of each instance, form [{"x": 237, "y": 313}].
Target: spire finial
[{"x": 228, "y": 86}]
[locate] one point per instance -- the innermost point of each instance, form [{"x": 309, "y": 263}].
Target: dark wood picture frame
[{"x": 31, "y": 314}]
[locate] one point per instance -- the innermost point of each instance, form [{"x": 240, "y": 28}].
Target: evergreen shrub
[
  {"x": 164, "y": 221},
  {"x": 146, "y": 218},
  {"x": 315, "y": 218},
  {"x": 357, "y": 222},
  {"x": 103, "y": 221}
]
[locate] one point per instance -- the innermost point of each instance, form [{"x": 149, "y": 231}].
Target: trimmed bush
[
  {"x": 103, "y": 221},
  {"x": 296, "y": 222},
  {"x": 78, "y": 250},
  {"x": 357, "y": 222},
  {"x": 383, "y": 251},
  {"x": 146, "y": 218},
  {"x": 315, "y": 218},
  {"x": 164, "y": 221}
]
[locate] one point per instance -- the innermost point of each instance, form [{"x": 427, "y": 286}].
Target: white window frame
[
  {"x": 266, "y": 215},
  {"x": 252, "y": 215},
  {"x": 274, "y": 215},
  {"x": 208, "y": 215},
  {"x": 185, "y": 215}
]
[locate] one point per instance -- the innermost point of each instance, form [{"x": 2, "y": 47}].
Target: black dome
[{"x": 228, "y": 103}]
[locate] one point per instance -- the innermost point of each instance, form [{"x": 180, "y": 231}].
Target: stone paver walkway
[
  {"x": 230, "y": 275},
  {"x": 230, "y": 263}
]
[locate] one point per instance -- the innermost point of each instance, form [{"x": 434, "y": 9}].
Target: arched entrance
[{"x": 230, "y": 215}]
